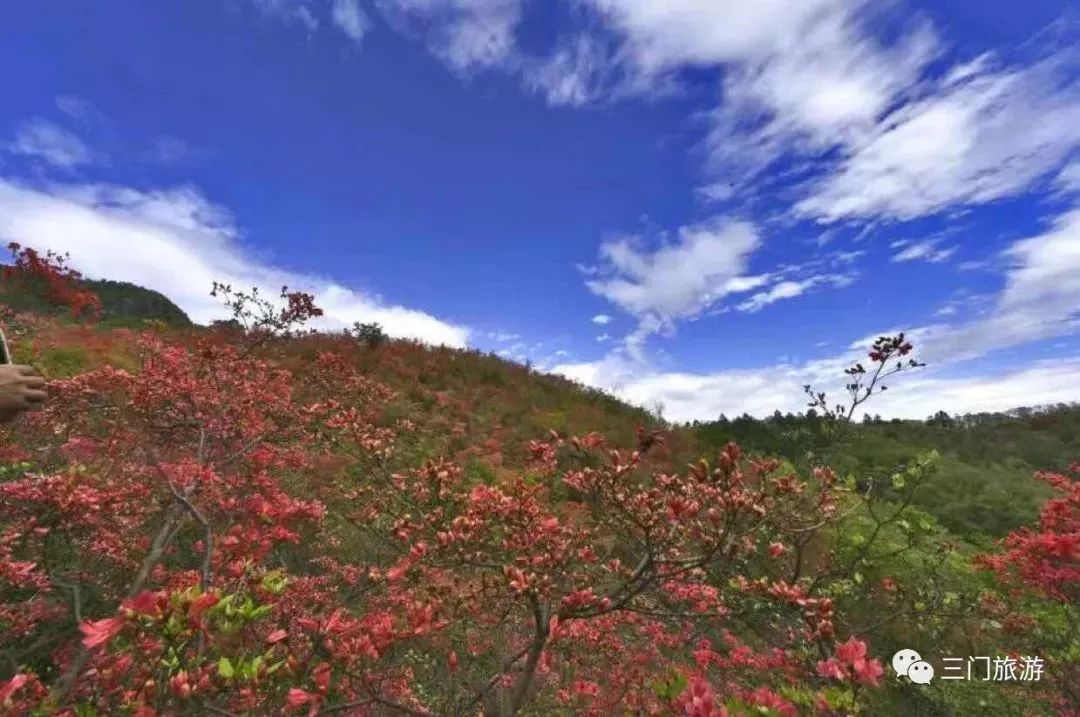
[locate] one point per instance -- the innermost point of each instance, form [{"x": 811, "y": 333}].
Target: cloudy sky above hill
[{"x": 697, "y": 203}]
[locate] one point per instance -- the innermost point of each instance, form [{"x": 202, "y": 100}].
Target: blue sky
[{"x": 694, "y": 203}]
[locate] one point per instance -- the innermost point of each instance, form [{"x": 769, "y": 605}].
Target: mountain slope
[
  {"x": 122, "y": 303},
  {"x": 482, "y": 410}
]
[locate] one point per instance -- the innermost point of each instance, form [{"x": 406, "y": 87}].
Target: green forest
[{"x": 982, "y": 488}]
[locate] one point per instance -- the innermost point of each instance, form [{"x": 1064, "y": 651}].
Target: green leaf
[
  {"x": 275, "y": 581},
  {"x": 671, "y": 687},
  {"x": 225, "y": 668},
  {"x": 259, "y": 612}
]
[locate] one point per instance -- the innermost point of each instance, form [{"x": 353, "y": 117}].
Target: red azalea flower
[
  {"x": 11, "y": 686},
  {"x": 831, "y": 669},
  {"x": 99, "y": 632},
  {"x": 851, "y": 651},
  {"x": 276, "y": 636},
  {"x": 868, "y": 672}
]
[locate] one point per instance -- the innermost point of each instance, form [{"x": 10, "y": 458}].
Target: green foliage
[
  {"x": 982, "y": 487},
  {"x": 122, "y": 303},
  {"x": 62, "y": 361},
  {"x": 370, "y": 334}
]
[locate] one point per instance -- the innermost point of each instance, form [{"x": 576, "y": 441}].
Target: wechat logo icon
[{"x": 910, "y": 664}]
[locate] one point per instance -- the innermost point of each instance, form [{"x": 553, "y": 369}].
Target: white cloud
[
  {"x": 575, "y": 73},
  {"x": 503, "y": 336},
  {"x": 51, "y": 143},
  {"x": 846, "y": 257},
  {"x": 760, "y": 392},
  {"x": 1043, "y": 383},
  {"x": 740, "y": 284},
  {"x": 680, "y": 279},
  {"x": 1040, "y": 300},
  {"x": 350, "y": 19},
  {"x": 601, "y": 319},
  {"x": 664, "y": 36},
  {"x": 466, "y": 34},
  {"x": 1046, "y": 267},
  {"x": 687, "y": 277},
  {"x": 289, "y": 11},
  {"x": 1068, "y": 180},
  {"x": 827, "y": 87},
  {"x": 790, "y": 289},
  {"x": 716, "y": 191},
  {"x": 817, "y": 79},
  {"x": 922, "y": 251},
  {"x": 886, "y": 130},
  {"x": 346, "y": 15},
  {"x": 980, "y": 135},
  {"x": 782, "y": 290},
  {"x": 75, "y": 107},
  {"x": 176, "y": 242},
  {"x": 802, "y": 76}
]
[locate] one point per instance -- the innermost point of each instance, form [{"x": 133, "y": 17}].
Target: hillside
[
  {"x": 472, "y": 403},
  {"x": 255, "y": 519},
  {"x": 982, "y": 487},
  {"x": 477, "y": 402},
  {"x": 483, "y": 410},
  {"x": 122, "y": 303}
]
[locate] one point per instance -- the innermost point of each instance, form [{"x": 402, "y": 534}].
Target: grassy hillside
[
  {"x": 336, "y": 477},
  {"x": 475, "y": 407},
  {"x": 122, "y": 303},
  {"x": 483, "y": 409}
]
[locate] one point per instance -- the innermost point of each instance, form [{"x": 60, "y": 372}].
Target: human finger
[{"x": 33, "y": 395}]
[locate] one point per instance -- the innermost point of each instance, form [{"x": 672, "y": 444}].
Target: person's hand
[{"x": 21, "y": 389}]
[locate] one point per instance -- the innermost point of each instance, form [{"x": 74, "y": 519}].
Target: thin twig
[{"x": 204, "y": 580}]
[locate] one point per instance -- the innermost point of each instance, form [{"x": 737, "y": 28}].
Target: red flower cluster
[
  {"x": 60, "y": 282},
  {"x": 1047, "y": 559},
  {"x": 850, "y": 663},
  {"x": 242, "y": 538}
]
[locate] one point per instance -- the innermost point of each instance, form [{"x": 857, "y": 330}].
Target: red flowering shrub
[
  {"x": 1037, "y": 604},
  {"x": 211, "y": 532},
  {"x": 60, "y": 282}
]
